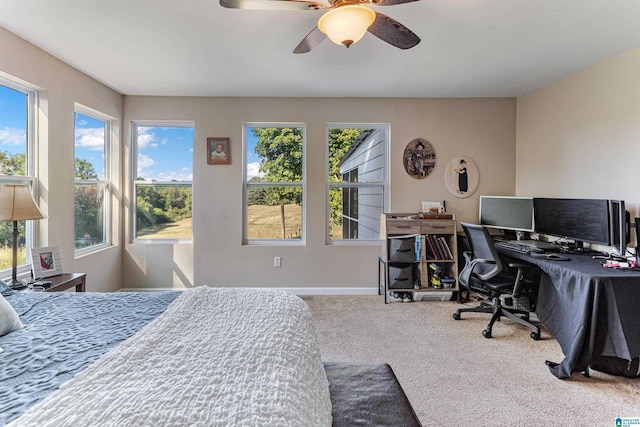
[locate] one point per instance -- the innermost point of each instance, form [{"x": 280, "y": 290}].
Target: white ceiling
[{"x": 469, "y": 48}]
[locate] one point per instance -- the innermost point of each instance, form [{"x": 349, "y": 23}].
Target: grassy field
[
  {"x": 6, "y": 255},
  {"x": 264, "y": 222},
  {"x": 176, "y": 230}
]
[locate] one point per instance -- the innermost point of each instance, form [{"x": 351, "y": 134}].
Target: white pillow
[{"x": 9, "y": 320}]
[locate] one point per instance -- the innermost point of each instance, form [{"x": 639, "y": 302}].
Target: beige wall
[
  {"x": 580, "y": 137},
  {"x": 483, "y": 129},
  {"x": 59, "y": 87}
]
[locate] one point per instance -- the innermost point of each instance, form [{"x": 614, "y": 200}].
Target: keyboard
[{"x": 513, "y": 245}]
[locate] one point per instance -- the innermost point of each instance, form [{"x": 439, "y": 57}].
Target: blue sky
[
  {"x": 253, "y": 161},
  {"x": 13, "y": 120},
  {"x": 164, "y": 153}
]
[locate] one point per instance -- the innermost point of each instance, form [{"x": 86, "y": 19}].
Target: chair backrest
[{"x": 481, "y": 245}]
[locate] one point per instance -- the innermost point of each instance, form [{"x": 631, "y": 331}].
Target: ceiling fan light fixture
[{"x": 346, "y": 25}]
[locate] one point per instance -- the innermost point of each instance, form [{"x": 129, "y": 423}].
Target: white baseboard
[{"x": 295, "y": 291}]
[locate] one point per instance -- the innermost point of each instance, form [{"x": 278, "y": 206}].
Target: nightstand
[{"x": 67, "y": 280}]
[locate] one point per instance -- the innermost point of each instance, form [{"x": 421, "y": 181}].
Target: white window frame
[
  {"x": 134, "y": 183},
  {"x": 30, "y": 232},
  {"x": 385, "y": 128},
  {"x": 302, "y": 185},
  {"x": 105, "y": 183}
]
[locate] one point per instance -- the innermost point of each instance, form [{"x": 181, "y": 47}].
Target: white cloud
[
  {"x": 144, "y": 162},
  {"x": 174, "y": 176},
  {"x": 146, "y": 139},
  {"x": 12, "y": 136},
  {"x": 253, "y": 169},
  {"x": 90, "y": 138}
]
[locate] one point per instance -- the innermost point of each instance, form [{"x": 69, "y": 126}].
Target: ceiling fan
[{"x": 345, "y": 21}]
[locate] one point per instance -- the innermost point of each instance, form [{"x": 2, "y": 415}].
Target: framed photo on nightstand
[{"x": 45, "y": 262}]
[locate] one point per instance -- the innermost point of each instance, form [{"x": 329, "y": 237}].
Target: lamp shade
[
  {"x": 346, "y": 25},
  {"x": 17, "y": 204}
]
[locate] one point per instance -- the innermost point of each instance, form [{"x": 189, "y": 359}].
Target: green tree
[
  {"x": 85, "y": 170},
  {"x": 280, "y": 153},
  {"x": 88, "y": 204},
  {"x": 14, "y": 165}
]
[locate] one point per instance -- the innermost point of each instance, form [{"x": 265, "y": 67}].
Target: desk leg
[{"x": 81, "y": 287}]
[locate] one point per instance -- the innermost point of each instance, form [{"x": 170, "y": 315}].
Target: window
[
  {"x": 163, "y": 167},
  {"x": 92, "y": 186},
  {"x": 274, "y": 182},
  {"x": 17, "y": 107},
  {"x": 357, "y": 181}
]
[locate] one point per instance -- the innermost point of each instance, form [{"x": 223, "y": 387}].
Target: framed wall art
[
  {"x": 218, "y": 151},
  {"x": 45, "y": 262},
  {"x": 419, "y": 158},
  {"x": 462, "y": 176}
]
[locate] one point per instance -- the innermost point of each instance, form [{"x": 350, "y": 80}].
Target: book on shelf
[
  {"x": 431, "y": 253},
  {"x": 446, "y": 248}
]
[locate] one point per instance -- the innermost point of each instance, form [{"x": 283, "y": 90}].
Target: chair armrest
[
  {"x": 516, "y": 264},
  {"x": 470, "y": 266}
]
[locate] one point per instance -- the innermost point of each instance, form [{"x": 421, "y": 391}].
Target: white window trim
[
  {"x": 302, "y": 184},
  {"x": 385, "y": 128},
  {"x": 134, "y": 183},
  {"x": 105, "y": 182},
  {"x": 30, "y": 232}
]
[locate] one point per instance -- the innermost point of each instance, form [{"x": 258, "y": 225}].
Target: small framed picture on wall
[{"x": 218, "y": 151}]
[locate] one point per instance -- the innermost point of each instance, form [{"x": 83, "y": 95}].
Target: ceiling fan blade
[
  {"x": 390, "y": 2},
  {"x": 271, "y": 4},
  {"x": 391, "y": 31},
  {"x": 313, "y": 39}
]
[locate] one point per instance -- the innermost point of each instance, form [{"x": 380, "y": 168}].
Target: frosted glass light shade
[{"x": 346, "y": 25}]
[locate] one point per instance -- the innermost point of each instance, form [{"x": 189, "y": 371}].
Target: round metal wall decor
[
  {"x": 419, "y": 158},
  {"x": 462, "y": 176}
]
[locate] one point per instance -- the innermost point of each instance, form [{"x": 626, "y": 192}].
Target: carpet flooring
[{"x": 454, "y": 376}]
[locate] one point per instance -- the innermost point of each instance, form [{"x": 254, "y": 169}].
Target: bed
[{"x": 204, "y": 356}]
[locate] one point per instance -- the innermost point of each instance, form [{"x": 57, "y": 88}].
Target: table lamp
[{"x": 17, "y": 204}]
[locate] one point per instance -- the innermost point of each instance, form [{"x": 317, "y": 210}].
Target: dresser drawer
[
  {"x": 403, "y": 226},
  {"x": 435, "y": 226}
]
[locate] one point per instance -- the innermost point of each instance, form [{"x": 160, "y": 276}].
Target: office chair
[{"x": 485, "y": 273}]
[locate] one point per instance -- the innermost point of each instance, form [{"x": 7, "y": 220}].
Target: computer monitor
[
  {"x": 580, "y": 220},
  {"x": 620, "y": 220},
  {"x": 507, "y": 213}
]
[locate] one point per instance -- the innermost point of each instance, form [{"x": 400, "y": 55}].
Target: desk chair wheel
[
  {"x": 456, "y": 316},
  {"x": 535, "y": 336},
  {"x": 486, "y": 333}
]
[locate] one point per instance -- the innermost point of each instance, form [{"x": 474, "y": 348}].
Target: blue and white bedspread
[
  {"x": 65, "y": 333},
  {"x": 215, "y": 357}
]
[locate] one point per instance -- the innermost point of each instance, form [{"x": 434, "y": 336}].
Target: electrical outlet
[{"x": 276, "y": 261}]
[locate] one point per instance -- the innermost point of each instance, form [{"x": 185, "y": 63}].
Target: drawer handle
[
  {"x": 401, "y": 279},
  {"x": 438, "y": 226},
  {"x": 403, "y": 250}
]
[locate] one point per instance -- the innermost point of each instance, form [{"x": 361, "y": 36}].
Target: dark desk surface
[{"x": 593, "y": 311}]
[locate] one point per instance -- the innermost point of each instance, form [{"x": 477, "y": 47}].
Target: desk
[{"x": 593, "y": 311}]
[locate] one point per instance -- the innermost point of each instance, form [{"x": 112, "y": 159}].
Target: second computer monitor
[
  {"x": 620, "y": 220},
  {"x": 581, "y": 220},
  {"x": 507, "y": 213}
]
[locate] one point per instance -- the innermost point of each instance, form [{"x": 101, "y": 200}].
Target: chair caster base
[
  {"x": 535, "y": 336},
  {"x": 486, "y": 333},
  {"x": 456, "y": 316}
]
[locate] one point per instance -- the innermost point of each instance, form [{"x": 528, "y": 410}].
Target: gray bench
[{"x": 368, "y": 394}]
